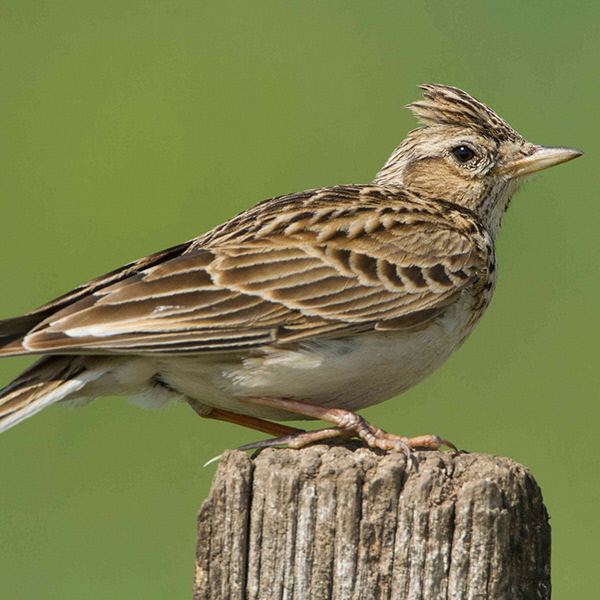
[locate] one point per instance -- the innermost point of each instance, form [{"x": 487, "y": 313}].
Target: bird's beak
[{"x": 542, "y": 158}]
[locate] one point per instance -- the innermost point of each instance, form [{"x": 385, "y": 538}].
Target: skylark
[{"x": 311, "y": 305}]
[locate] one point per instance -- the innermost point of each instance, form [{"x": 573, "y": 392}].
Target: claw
[
  {"x": 281, "y": 441},
  {"x": 212, "y": 460}
]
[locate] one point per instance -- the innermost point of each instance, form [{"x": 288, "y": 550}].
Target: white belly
[{"x": 351, "y": 373}]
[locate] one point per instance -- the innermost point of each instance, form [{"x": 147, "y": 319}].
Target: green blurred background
[{"x": 127, "y": 127}]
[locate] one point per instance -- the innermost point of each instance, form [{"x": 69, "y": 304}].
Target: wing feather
[{"x": 331, "y": 262}]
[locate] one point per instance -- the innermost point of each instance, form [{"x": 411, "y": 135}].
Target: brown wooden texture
[{"x": 345, "y": 522}]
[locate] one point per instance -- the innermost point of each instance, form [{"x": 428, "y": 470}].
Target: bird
[{"x": 311, "y": 305}]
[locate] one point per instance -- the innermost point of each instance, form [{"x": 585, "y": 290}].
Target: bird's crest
[{"x": 447, "y": 105}]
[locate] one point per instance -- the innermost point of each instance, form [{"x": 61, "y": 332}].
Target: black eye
[{"x": 463, "y": 153}]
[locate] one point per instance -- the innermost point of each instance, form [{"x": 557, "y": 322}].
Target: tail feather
[{"x": 49, "y": 380}]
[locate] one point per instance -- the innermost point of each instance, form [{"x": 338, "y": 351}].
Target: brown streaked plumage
[{"x": 309, "y": 305}]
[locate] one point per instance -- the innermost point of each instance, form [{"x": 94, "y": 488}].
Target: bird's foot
[{"x": 347, "y": 425}]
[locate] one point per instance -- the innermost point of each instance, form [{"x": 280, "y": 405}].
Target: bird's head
[{"x": 466, "y": 154}]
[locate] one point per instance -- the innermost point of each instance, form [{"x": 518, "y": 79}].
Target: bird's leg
[
  {"x": 348, "y": 424},
  {"x": 267, "y": 427}
]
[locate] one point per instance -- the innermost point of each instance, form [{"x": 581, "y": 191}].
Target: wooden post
[{"x": 345, "y": 522}]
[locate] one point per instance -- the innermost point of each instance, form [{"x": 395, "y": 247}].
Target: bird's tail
[{"x": 49, "y": 380}]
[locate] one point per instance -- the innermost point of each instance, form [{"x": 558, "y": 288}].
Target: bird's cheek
[{"x": 435, "y": 178}]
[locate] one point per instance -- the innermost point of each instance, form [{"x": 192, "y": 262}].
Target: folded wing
[{"x": 333, "y": 262}]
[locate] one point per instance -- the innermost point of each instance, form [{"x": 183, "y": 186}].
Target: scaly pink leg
[
  {"x": 267, "y": 427},
  {"x": 347, "y": 424}
]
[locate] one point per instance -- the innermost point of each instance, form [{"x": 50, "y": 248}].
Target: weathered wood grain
[{"x": 347, "y": 523}]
